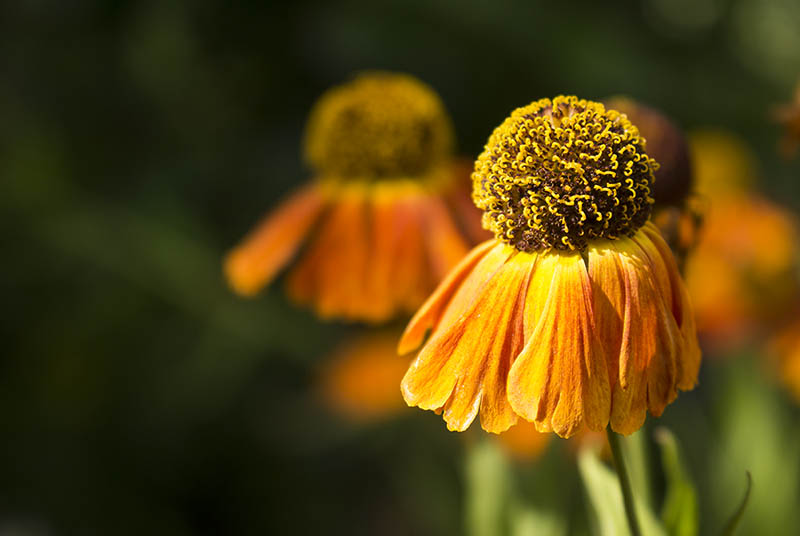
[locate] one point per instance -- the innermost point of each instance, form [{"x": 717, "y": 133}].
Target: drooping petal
[
  {"x": 650, "y": 343},
  {"x": 468, "y": 360},
  {"x": 331, "y": 273},
  {"x": 445, "y": 244},
  {"x": 689, "y": 360},
  {"x": 255, "y": 261},
  {"x": 429, "y": 314},
  {"x": 385, "y": 233},
  {"x": 410, "y": 279},
  {"x": 560, "y": 380}
]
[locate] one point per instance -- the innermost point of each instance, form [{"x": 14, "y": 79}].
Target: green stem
[{"x": 624, "y": 482}]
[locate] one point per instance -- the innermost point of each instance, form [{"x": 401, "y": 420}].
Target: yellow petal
[
  {"x": 560, "y": 380},
  {"x": 446, "y": 247}
]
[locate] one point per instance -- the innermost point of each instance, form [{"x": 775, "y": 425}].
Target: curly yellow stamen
[
  {"x": 380, "y": 125},
  {"x": 557, "y": 174}
]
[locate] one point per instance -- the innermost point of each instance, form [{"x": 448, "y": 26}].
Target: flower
[
  {"x": 574, "y": 314},
  {"x": 360, "y": 380},
  {"x": 379, "y": 224},
  {"x": 742, "y": 273}
]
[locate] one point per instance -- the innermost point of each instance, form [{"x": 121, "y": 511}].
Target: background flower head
[{"x": 382, "y": 222}]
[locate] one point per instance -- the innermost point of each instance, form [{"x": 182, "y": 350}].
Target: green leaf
[
  {"x": 605, "y": 500},
  {"x": 488, "y": 477},
  {"x": 733, "y": 522},
  {"x": 680, "y": 510}
]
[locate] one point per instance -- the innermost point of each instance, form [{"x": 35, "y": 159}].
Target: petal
[
  {"x": 689, "y": 360},
  {"x": 410, "y": 279},
  {"x": 430, "y": 312},
  {"x": 255, "y": 261},
  {"x": 608, "y": 293},
  {"x": 560, "y": 380},
  {"x": 464, "y": 367},
  {"x": 445, "y": 244},
  {"x": 649, "y": 344},
  {"x": 385, "y": 235},
  {"x": 331, "y": 274}
]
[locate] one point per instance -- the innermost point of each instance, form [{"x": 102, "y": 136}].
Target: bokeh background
[{"x": 140, "y": 140}]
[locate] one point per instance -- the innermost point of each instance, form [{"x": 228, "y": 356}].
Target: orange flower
[
  {"x": 575, "y": 312},
  {"x": 741, "y": 274},
  {"x": 379, "y": 224},
  {"x": 360, "y": 381},
  {"x": 524, "y": 441}
]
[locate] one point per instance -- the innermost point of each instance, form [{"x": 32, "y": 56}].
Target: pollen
[
  {"x": 380, "y": 125},
  {"x": 559, "y": 173}
]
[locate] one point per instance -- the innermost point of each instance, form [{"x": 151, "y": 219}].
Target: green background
[{"x": 140, "y": 140}]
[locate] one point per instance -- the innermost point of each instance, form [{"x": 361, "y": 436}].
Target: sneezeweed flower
[
  {"x": 574, "y": 314},
  {"x": 742, "y": 274},
  {"x": 788, "y": 116},
  {"x": 360, "y": 379},
  {"x": 377, "y": 224}
]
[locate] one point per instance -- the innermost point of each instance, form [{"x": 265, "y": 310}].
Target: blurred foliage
[{"x": 140, "y": 140}]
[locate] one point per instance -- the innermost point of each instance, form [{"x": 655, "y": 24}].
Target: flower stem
[{"x": 624, "y": 482}]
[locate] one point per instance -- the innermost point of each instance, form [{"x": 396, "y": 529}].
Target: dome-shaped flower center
[
  {"x": 380, "y": 125},
  {"x": 557, "y": 174}
]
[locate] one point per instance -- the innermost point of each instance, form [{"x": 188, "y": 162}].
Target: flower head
[
  {"x": 557, "y": 174},
  {"x": 382, "y": 223},
  {"x": 575, "y": 313},
  {"x": 381, "y": 125}
]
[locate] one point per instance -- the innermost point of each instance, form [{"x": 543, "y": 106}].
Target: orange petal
[
  {"x": 560, "y": 380},
  {"x": 430, "y": 312},
  {"x": 331, "y": 273},
  {"x": 386, "y": 232},
  {"x": 650, "y": 343},
  {"x": 689, "y": 360},
  {"x": 464, "y": 367},
  {"x": 410, "y": 279},
  {"x": 446, "y": 246},
  {"x": 255, "y": 261}
]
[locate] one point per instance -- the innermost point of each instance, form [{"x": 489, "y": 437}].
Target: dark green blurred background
[{"x": 139, "y": 141}]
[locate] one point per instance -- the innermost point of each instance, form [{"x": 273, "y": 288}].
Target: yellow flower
[
  {"x": 574, "y": 314},
  {"x": 380, "y": 223},
  {"x": 360, "y": 380},
  {"x": 742, "y": 273}
]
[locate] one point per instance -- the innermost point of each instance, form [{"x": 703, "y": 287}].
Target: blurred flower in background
[
  {"x": 360, "y": 380},
  {"x": 382, "y": 221},
  {"x": 742, "y": 275},
  {"x": 524, "y": 326}
]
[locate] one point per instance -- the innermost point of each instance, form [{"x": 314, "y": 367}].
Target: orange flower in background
[
  {"x": 742, "y": 273},
  {"x": 381, "y": 224},
  {"x": 575, "y": 313},
  {"x": 788, "y": 116},
  {"x": 785, "y": 354},
  {"x": 524, "y": 441},
  {"x": 360, "y": 380}
]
